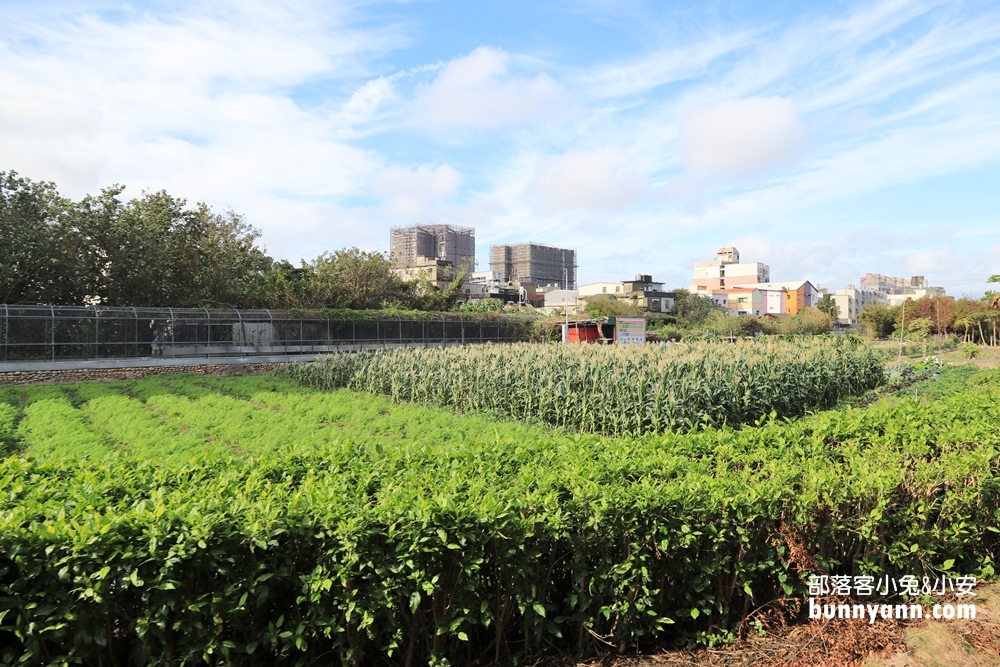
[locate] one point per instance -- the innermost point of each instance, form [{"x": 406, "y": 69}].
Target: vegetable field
[
  {"x": 615, "y": 390},
  {"x": 252, "y": 521}
]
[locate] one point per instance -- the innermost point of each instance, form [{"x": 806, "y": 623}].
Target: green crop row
[
  {"x": 614, "y": 390},
  {"x": 437, "y": 537}
]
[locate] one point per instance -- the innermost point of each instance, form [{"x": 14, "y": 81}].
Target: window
[{"x": 604, "y": 289}]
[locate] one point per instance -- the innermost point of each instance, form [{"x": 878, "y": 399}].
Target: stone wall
[{"x": 130, "y": 373}]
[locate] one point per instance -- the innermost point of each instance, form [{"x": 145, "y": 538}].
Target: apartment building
[
  {"x": 725, "y": 271},
  {"x": 449, "y": 243},
  {"x": 537, "y": 263},
  {"x": 792, "y": 295},
  {"x": 851, "y": 301}
]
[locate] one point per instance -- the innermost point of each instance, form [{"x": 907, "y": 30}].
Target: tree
[
  {"x": 424, "y": 295},
  {"x": 288, "y": 286},
  {"x": 600, "y": 306},
  {"x": 878, "y": 319},
  {"x": 43, "y": 256},
  {"x": 807, "y": 320},
  {"x": 829, "y": 306},
  {"x": 965, "y": 323},
  {"x": 483, "y": 306},
  {"x": 355, "y": 278},
  {"x": 157, "y": 251},
  {"x": 939, "y": 309},
  {"x": 693, "y": 309}
]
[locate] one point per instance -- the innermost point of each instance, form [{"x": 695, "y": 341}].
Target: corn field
[{"x": 614, "y": 390}]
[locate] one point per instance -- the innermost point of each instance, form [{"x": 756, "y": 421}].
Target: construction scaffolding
[
  {"x": 891, "y": 284},
  {"x": 446, "y": 242},
  {"x": 534, "y": 263}
]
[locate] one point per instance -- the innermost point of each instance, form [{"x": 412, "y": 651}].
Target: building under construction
[
  {"x": 446, "y": 242},
  {"x": 534, "y": 263},
  {"x": 891, "y": 284}
]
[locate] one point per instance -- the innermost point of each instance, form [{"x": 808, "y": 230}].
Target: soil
[{"x": 850, "y": 643}]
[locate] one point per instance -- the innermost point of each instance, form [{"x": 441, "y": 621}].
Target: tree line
[
  {"x": 971, "y": 320},
  {"x": 156, "y": 250}
]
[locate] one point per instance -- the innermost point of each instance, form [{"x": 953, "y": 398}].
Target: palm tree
[
  {"x": 977, "y": 319},
  {"x": 992, "y": 316},
  {"x": 965, "y": 323}
]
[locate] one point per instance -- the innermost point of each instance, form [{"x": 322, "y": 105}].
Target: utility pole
[
  {"x": 902, "y": 330},
  {"x": 565, "y": 306}
]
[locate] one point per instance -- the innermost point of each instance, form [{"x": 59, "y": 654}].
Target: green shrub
[
  {"x": 8, "y": 424},
  {"x": 969, "y": 350},
  {"x": 497, "y": 544}
]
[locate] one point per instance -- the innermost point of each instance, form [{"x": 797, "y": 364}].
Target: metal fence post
[
  {"x": 243, "y": 332},
  {"x": 53, "y": 309},
  {"x": 209, "y": 337},
  {"x": 6, "y": 328},
  {"x": 270, "y": 320},
  {"x": 135, "y": 328},
  {"x": 97, "y": 333},
  {"x": 172, "y": 320}
]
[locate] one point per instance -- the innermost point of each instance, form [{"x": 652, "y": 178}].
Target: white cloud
[
  {"x": 741, "y": 138},
  {"x": 367, "y": 100},
  {"x": 197, "y": 100},
  {"x": 476, "y": 91},
  {"x": 408, "y": 193},
  {"x": 598, "y": 179}
]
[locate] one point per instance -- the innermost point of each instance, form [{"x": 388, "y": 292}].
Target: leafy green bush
[
  {"x": 969, "y": 350},
  {"x": 482, "y": 306},
  {"x": 8, "y": 423},
  {"x": 609, "y": 306},
  {"x": 498, "y": 543}
]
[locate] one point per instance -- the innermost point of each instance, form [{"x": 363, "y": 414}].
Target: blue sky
[{"x": 827, "y": 141}]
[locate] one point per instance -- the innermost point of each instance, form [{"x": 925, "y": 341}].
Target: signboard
[{"x": 630, "y": 330}]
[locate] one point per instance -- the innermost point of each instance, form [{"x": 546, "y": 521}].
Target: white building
[
  {"x": 726, "y": 271},
  {"x": 488, "y": 278},
  {"x": 795, "y": 295},
  {"x": 561, "y": 299},
  {"x": 594, "y": 289},
  {"x": 851, "y": 301},
  {"x": 915, "y": 293}
]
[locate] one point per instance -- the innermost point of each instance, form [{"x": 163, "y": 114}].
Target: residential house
[{"x": 797, "y": 294}]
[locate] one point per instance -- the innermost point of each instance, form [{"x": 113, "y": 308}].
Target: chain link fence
[{"x": 51, "y": 333}]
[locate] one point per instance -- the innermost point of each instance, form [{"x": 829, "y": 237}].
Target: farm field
[
  {"x": 615, "y": 390},
  {"x": 253, "y": 521}
]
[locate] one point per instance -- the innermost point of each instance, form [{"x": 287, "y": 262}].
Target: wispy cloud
[
  {"x": 325, "y": 123},
  {"x": 478, "y": 91}
]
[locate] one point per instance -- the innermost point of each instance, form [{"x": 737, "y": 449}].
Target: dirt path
[{"x": 854, "y": 643}]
